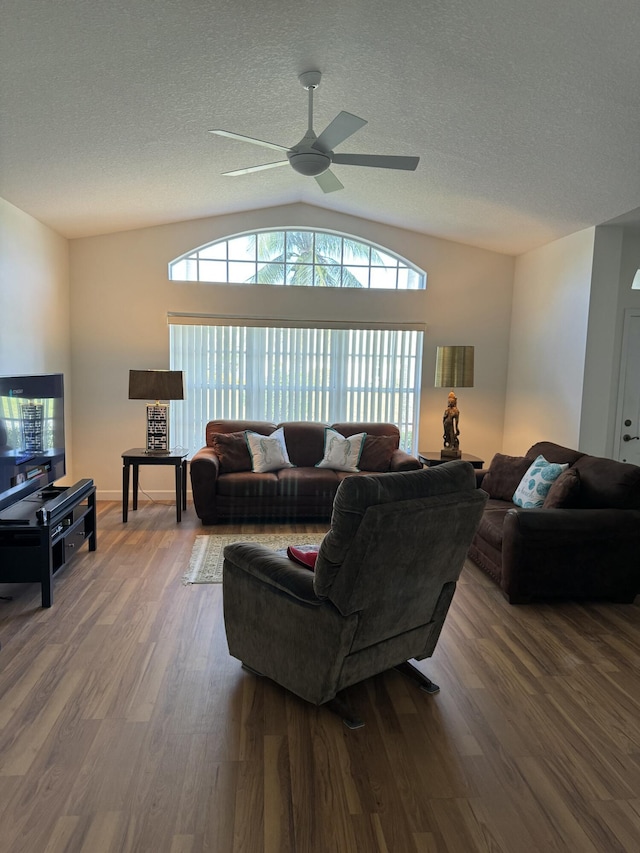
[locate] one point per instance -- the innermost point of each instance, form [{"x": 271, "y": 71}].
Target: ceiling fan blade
[
  {"x": 328, "y": 182},
  {"x": 256, "y": 168},
  {"x": 379, "y": 161},
  {"x": 341, "y": 128},
  {"x": 251, "y": 139}
]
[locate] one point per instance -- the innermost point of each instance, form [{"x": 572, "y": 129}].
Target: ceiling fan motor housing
[{"x": 309, "y": 163}]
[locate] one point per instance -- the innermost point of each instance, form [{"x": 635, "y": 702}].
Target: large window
[
  {"x": 300, "y": 257},
  {"x": 285, "y": 372}
]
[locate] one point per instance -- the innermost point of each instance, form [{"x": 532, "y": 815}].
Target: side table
[
  {"x": 137, "y": 456},
  {"x": 430, "y": 458}
]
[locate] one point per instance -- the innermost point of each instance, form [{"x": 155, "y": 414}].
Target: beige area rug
[{"x": 207, "y": 555}]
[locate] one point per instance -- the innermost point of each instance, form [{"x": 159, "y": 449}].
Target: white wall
[
  {"x": 121, "y": 296},
  {"x": 34, "y": 303},
  {"x": 548, "y": 343}
]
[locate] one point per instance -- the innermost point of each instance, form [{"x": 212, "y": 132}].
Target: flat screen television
[{"x": 32, "y": 449}]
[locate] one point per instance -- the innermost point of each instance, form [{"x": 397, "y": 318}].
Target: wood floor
[{"x": 126, "y": 726}]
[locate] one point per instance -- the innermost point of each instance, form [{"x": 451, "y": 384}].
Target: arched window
[{"x": 298, "y": 257}]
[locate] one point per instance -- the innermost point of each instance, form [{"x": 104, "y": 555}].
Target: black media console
[{"x": 41, "y": 533}]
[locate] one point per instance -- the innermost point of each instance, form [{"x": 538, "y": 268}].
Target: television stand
[{"x": 40, "y": 535}]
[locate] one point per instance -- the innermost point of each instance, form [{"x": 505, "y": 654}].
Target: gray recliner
[{"x": 384, "y": 579}]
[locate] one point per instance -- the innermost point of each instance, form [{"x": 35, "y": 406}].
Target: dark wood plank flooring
[{"x": 126, "y": 726}]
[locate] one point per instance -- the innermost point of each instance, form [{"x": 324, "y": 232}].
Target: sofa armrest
[
  {"x": 565, "y": 525},
  {"x": 480, "y": 475},
  {"x": 273, "y": 569},
  {"x": 277, "y": 626},
  {"x": 571, "y": 553},
  {"x": 204, "y": 470},
  {"x": 208, "y": 456},
  {"x": 403, "y": 461}
]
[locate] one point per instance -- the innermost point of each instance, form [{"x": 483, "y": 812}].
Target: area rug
[{"x": 207, "y": 555}]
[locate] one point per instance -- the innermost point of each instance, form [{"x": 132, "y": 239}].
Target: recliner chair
[{"x": 384, "y": 578}]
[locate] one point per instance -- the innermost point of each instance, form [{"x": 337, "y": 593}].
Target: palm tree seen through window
[{"x": 297, "y": 257}]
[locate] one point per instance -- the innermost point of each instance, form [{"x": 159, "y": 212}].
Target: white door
[{"x": 627, "y": 440}]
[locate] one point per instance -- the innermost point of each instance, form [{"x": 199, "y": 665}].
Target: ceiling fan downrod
[
  {"x": 303, "y": 158},
  {"x": 310, "y": 80}
]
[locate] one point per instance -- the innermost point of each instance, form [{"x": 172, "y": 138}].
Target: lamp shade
[
  {"x": 155, "y": 385},
  {"x": 454, "y": 367}
]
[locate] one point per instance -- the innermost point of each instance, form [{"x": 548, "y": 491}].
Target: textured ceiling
[{"x": 525, "y": 113}]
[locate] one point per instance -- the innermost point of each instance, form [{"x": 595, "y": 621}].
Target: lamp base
[
  {"x": 158, "y": 428},
  {"x": 450, "y": 453}
]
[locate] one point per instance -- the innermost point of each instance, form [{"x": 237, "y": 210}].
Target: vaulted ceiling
[{"x": 525, "y": 113}]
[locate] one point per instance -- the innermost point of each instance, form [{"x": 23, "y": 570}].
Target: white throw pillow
[
  {"x": 340, "y": 453},
  {"x": 536, "y": 483},
  {"x": 268, "y": 452}
]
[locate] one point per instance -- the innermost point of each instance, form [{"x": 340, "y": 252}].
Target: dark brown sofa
[
  {"x": 583, "y": 543},
  {"x": 225, "y": 488}
]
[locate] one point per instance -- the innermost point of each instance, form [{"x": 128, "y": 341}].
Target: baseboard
[{"x": 149, "y": 494}]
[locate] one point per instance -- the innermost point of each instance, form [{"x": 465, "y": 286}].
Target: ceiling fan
[{"x": 313, "y": 155}]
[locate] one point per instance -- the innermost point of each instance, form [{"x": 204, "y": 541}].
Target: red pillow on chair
[{"x": 305, "y": 555}]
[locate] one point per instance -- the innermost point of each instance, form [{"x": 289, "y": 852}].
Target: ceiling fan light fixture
[{"x": 309, "y": 163}]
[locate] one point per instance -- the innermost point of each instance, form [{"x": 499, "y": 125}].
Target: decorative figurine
[{"x": 451, "y": 431}]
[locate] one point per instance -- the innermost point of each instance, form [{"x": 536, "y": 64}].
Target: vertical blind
[{"x": 283, "y": 372}]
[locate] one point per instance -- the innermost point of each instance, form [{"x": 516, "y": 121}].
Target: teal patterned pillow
[{"x": 536, "y": 483}]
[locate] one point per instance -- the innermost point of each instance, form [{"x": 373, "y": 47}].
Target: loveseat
[
  {"x": 582, "y": 543},
  {"x": 225, "y": 488}
]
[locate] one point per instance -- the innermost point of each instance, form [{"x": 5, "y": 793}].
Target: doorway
[{"x": 627, "y": 438}]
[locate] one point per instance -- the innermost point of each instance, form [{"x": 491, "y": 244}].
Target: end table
[
  {"x": 430, "y": 458},
  {"x": 137, "y": 456}
]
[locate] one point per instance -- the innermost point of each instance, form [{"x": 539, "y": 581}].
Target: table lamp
[
  {"x": 454, "y": 369},
  {"x": 161, "y": 386}
]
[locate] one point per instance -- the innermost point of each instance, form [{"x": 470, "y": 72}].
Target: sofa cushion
[
  {"x": 554, "y": 452},
  {"x": 504, "y": 476},
  {"x": 305, "y": 441},
  {"x": 340, "y": 453},
  {"x": 377, "y": 452},
  {"x": 268, "y": 452},
  {"x": 297, "y": 482},
  {"x": 232, "y": 451},
  {"x": 352, "y": 427},
  {"x": 606, "y": 483},
  {"x": 535, "y": 485},
  {"x": 246, "y": 484},
  {"x": 226, "y": 426},
  {"x": 565, "y": 492}
]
